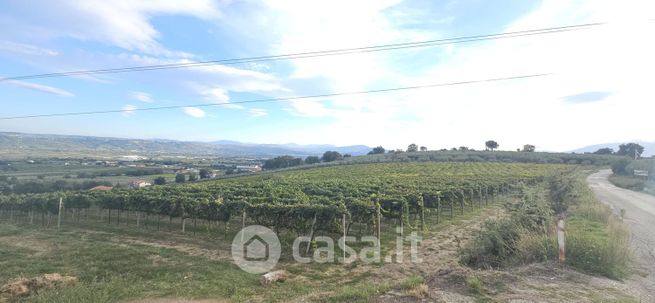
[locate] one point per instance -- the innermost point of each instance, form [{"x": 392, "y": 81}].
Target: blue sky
[{"x": 606, "y": 68}]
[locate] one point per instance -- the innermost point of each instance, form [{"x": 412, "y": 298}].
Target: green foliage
[
  {"x": 529, "y": 148},
  {"x": 596, "y": 241},
  {"x": 412, "y": 148},
  {"x": 291, "y": 200},
  {"x": 377, "y": 150},
  {"x": 180, "y": 178},
  {"x": 620, "y": 166},
  {"x": 330, "y": 156},
  {"x": 632, "y": 150},
  {"x": 282, "y": 162},
  {"x": 312, "y": 160},
  {"x": 491, "y": 144},
  {"x": 493, "y": 246},
  {"x": 160, "y": 181},
  {"x": 193, "y": 177},
  {"x": 205, "y": 173},
  {"x": 604, "y": 151}
]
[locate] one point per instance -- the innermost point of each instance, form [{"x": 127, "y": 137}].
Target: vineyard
[{"x": 327, "y": 199}]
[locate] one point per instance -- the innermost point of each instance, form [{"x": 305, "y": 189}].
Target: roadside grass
[
  {"x": 633, "y": 183},
  {"x": 597, "y": 241}
]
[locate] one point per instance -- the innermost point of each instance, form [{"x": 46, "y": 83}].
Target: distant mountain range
[
  {"x": 649, "y": 147},
  {"x": 225, "y": 148}
]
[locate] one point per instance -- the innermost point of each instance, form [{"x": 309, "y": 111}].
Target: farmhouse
[{"x": 140, "y": 184}]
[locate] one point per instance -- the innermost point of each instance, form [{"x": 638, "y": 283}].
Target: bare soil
[{"x": 22, "y": 287}]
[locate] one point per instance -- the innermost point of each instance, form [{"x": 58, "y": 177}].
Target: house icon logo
[{"x": 256, "y": 249}]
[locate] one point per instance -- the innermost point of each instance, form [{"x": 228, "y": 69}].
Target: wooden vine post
[
  {"x": 344, "y": 236},
  {"x": 379, "y": 222},
  {"x": 422, "y": 216},
  {"x": 311, "y": 235},
  {"x": 243, "y": 222},
  {"x": 438, "y": 207},
  {"x": 61, "y": 207}
]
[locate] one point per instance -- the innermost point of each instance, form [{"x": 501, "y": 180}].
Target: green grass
[
  {"x": 633, "y": 183},
  {"x": 411, "y": 282},
  {"x": 361, "y": 293},
  {"x": 117, "y": 272},
  {"x": 110, "y": 271},
  {"x": 597, "y": 241}
]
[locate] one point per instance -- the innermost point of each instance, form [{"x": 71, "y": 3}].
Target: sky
[{"x": 599, "y": 87}]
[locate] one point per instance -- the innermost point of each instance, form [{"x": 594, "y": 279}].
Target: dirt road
[{"x": 640, "y": 218}]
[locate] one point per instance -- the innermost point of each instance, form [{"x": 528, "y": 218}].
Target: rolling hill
[
  {"x": 649, "y": 147},
  {"x": 32, "y": 142}
]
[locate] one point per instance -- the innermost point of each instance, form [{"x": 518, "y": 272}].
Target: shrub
[
  {"x": 493, "y": 246},
  {"x": 475, "y": 285},
  {"x": 620, "y": 166}
]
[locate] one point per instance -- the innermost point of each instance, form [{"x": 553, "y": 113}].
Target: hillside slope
[{"x": 23, "y": 141}]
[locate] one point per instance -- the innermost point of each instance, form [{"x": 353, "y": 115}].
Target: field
[{"x": 174, "y": 241}]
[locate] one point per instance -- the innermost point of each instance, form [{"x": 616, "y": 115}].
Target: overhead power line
[
  {"x": 279, "y": 99},
  {"x": 301, "y": 55}
]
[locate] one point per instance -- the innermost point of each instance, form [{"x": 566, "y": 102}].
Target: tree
[
  {"x": 347, "y": 155},
  {"x": 632, "y": 150},
  {"x": 604, "y": 151},
  {"x": 463, "y": 148},
  {"x": 423, "y": 148},
  {"x": 377, "y": 150},
  {"x": 412, "y": 148},
  {"x": 312, "y": 160},
  {"x": 528, "y": 148},
  {"x": 193, "y": 177},
  {"x": 205, "y": 173},
  {"x": 160, "y": 181},
  {"x": 282, "y": 162},
  {"x": 330, "y": 156},
  {"x": 491, "y": 145},
  {"x": 180, "y": 178},
  {"x": 620, "y": 166}
]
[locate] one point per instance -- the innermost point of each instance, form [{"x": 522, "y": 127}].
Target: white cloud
[
  {"x": 128, "y": 110},
  {"x": 615, "y": 58},
  {"x": 141, "y": 96},
  {"x": 26, "y": 49},
  {"x": 194, "y": 112},
  {"x": 257, "y": 112},
  {"x": 121, "y": 23},
  {"x": 41, "y": 88}
]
